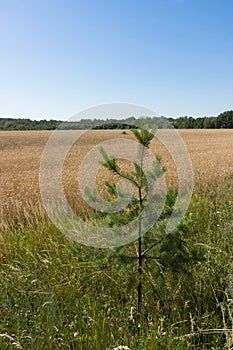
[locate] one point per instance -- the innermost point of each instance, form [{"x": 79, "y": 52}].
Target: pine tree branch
[
  {"x": 152, "y": 246},
  {"x": 125, "y": 176}
]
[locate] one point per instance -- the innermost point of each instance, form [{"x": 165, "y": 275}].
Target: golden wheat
[{"x": 20, "y": 153}]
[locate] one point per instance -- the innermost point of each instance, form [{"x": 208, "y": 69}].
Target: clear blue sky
[{"x": 58, "y": 57}]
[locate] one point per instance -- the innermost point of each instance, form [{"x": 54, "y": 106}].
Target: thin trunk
[
  {"x": 139, "y": 304},
  {"x": 139, "y": 268}
]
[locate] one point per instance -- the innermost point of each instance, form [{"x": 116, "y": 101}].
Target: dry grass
[{"x": 20, "y": 153}]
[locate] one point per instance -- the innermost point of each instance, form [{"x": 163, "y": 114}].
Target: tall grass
[{"x": 56, "y": 294}]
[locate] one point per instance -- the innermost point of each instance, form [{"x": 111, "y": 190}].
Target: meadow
[{"x": 58, "y": 294}]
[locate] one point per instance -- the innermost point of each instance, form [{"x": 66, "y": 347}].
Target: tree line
[{"x": 223, "y": 120}]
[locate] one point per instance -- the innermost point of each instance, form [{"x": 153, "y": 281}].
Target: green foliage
[
  {"x": 28, "y": 124},
  {"x": 143, "y": 136},
  {"x": 175, "y": 255},
  {"x": 169, "y": 252},
  {"x": 109, "y": 161},
  {"x": 58, "y": 294},
  {"x": 223, "y": 120}
]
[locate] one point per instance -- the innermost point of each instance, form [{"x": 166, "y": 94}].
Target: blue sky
[{"x": 58, "y": 57}]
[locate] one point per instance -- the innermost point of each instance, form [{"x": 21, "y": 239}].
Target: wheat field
[{"x": 211, "y": 152}]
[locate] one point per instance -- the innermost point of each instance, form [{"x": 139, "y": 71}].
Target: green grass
[{"x": 56, "y": 294}]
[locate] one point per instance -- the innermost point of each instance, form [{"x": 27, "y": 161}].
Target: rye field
[
  {"x": 210, "y": 151},
  {"x": 58, "y": 294}
]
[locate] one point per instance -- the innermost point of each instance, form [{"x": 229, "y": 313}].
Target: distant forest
[{"x": 223, "y": 120}]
